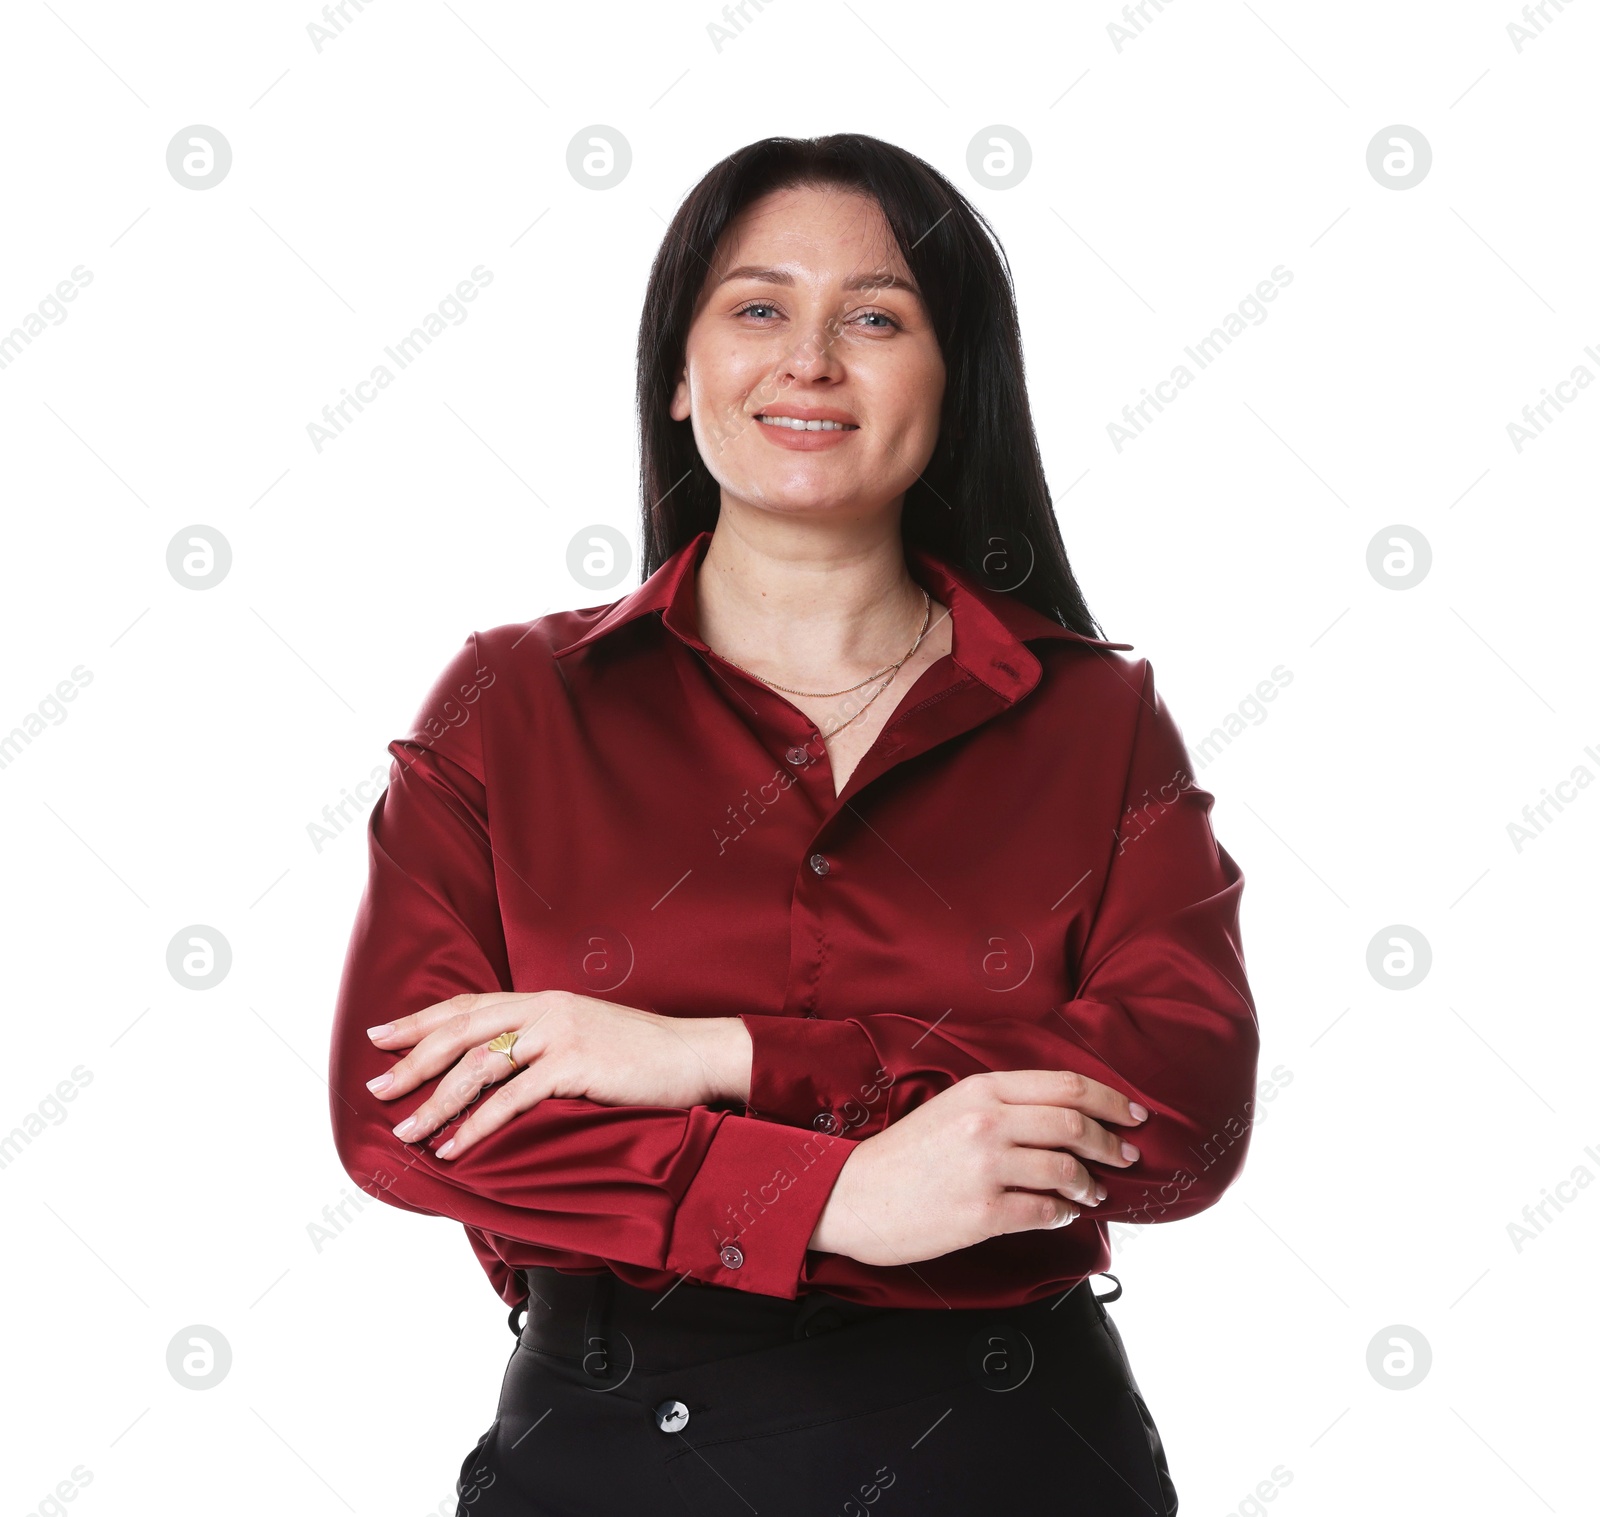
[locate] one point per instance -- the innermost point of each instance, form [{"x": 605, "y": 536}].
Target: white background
[{"x": 1168, "y": 178}]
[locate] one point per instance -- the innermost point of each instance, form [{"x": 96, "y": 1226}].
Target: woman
[{"x": 800, "y": 960}]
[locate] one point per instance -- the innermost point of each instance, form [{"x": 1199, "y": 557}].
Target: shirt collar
[{"x": 990, "y": 630}]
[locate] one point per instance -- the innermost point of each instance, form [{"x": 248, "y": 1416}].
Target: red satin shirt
[{"x": 1020, "y": 874}]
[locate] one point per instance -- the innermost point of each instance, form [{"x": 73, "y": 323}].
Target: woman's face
[{"x": 810, "y": 312}]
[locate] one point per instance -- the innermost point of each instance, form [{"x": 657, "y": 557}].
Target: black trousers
[{"x": 713, "y": 1401}]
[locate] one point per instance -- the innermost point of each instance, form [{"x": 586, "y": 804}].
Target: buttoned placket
[{"x": 945, "y": 701}]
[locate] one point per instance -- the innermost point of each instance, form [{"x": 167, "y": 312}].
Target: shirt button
[
  {"x": 672, "y": 1416},
  {"x": 797, "y": 756},
  {"x": 731, "y": 1255},
  {"x": 825, "y": 1122},
  {"x": 819, "y": 864}
]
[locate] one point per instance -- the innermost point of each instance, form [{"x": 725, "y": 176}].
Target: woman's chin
[{"x": 815, "y": 505}]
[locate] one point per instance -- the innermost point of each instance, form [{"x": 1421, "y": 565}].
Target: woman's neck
[{"x": 807, "y": 603}]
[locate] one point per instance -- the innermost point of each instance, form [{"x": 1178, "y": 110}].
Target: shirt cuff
[
  {"x": 817, "y": 1074},
  {"x": 751, "y": 1209}
]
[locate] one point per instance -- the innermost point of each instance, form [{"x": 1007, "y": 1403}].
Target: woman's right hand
[{"x": 992, "y": 1154}]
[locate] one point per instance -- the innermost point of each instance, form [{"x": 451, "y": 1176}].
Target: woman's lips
[{"x": 806, "y": 441}]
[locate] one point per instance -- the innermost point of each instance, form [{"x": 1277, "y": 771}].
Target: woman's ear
[{"x": 680, "y": 398}]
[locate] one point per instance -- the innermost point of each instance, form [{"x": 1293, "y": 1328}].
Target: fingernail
[
  {"x": 381, "y": 1084},
  {"x": 409, "y": 1126},
  {"x": 1099, "y": 1193},
  {"x": 1130, "y": 1153},
  {"x": 443, "y": 1150},
  {"x": 1138, "y": 1112},
  {"x": 378, "y": 1032}
]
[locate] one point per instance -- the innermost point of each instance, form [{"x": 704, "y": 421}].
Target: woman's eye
[{"x": 882, "y": 321}]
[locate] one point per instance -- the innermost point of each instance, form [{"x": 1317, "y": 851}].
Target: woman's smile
[{"x": 806, "y": 429}]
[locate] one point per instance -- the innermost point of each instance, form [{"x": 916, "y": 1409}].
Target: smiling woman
[{"x": 796, "y": 1153}]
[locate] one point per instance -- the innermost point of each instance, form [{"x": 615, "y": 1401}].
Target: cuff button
[
  {"x": 825, "y": 1121},
  {"x": 731, "y": 1255}
]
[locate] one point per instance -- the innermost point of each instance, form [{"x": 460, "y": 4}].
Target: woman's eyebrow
[{"x": 882, "y": 280}]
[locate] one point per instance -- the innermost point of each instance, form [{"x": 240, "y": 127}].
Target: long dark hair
[{"x": 982, "y": 502}]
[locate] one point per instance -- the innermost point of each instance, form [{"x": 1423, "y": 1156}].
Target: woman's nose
[{"x": 814, "y": 351}]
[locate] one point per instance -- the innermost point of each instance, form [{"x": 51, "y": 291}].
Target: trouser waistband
[{"x": 609, "y": 1328}]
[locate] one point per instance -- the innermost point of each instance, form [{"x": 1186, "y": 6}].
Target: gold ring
[{"x": 504, "y": 1044}]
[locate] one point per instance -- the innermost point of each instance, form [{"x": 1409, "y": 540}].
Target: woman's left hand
[{"x": 567, "y": 1045}]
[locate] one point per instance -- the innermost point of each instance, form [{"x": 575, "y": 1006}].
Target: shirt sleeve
[
  {"x": 1161, "y": 1010},
  {"x": 655, "y": 1187}
]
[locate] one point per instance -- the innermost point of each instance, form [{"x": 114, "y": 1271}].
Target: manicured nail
[
  {"x": 381, "y": 1084},
  {"x": 409, "y": 1126},
  {"x": 378, "y": 1032},
  {"x": 1137, "y": 1111},
  {"x": 1099, "y": 1193},
  {"x": 1130, "y": 1153},
  {"x": 443, "y": 1150}
]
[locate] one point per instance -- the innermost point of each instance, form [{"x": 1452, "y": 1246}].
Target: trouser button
[{"x": 672, "y": 1416}]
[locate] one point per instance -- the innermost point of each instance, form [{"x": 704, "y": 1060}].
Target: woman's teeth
[{"x": 796, "y": 425}]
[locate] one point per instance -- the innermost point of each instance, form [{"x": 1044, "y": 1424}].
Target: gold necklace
[{"x": 890, "y": 669}]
